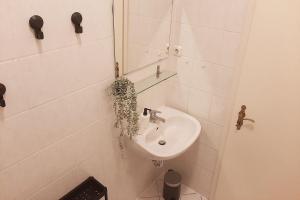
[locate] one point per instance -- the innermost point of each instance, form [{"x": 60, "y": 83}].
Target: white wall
[
  {"x": 57, "y": 127},
  {"x": 209, "y": 32}
]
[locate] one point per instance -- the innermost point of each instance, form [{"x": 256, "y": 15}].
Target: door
[{"x": 262, "y": 160}]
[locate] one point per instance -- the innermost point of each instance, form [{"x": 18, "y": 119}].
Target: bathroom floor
[{"x": 154, "y": 192}]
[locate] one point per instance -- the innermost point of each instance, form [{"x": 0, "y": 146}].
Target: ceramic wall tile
[
  {"x": 57, "y": 127},
  {"x": 209, "y": 32}
]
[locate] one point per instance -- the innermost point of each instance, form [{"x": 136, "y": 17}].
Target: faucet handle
[{"x": 145, "y": 113}]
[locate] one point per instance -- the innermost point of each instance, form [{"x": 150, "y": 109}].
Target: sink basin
[{"x": 168, "y": 140}]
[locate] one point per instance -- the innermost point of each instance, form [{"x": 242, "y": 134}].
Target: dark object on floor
[
  {"x": 172, "y": 185},
  {"x": 90, "y": 189}
]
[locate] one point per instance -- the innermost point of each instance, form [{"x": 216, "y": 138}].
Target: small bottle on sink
[{"x": 144, "y": 119}]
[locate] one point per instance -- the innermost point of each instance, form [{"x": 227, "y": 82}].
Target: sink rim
[{"x": 167, "y": 113}]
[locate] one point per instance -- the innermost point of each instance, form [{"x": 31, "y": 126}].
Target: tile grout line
[
  {"x": 50, "y": 145},
  {"x": 225, "y": 29},
  {"x": 59, "y": 98},
  {"x": 15, "y": 59},
  {"x": 62, "y": 175}
]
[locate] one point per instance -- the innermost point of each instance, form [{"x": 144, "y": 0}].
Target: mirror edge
[{"x": 118, "y": 26}]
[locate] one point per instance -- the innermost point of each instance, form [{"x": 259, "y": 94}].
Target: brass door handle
[
  {"x": 241, "y": 118},
  {"x": 250, "y": 120}
]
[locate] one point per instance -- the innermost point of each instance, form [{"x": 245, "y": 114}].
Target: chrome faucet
[{"x": 153, "y": 116}]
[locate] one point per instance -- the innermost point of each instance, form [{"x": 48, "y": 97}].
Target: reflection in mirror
[
  {"x": 151, "y": 81},
  {"x": 148, "y": 33},
  {"x": 142, "y": 35}
]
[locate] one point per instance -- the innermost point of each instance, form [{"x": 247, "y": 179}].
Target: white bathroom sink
[{"x": 178, "y": 133}]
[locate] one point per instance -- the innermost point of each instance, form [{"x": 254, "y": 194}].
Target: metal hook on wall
[
  {"x": 76, "y": 19},
  {"x": 2, "y": 92},
  {"x": 36, "y": 23}
]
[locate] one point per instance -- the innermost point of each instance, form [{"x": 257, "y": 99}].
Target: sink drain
[{"x": 162, "y": 142}]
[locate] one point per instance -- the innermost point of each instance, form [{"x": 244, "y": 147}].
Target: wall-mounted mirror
[{"x": 142, "y": 34}]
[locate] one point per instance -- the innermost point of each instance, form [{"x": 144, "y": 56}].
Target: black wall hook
[
  {"x": 76, "y": 20},
  {"x": 2, "y": 92},
  {"x": 36, "y": 23}
]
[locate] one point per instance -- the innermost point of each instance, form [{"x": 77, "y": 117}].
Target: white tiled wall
[
  {"x": 209, "y": 32},
  {"x": 57, "y": 127}
]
